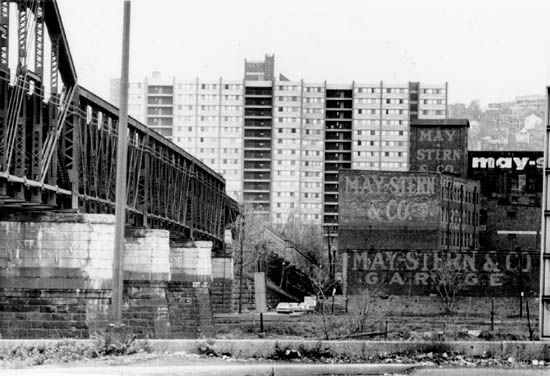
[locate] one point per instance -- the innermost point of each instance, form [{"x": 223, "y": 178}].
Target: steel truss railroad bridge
[{"x": 58, "y": 140}]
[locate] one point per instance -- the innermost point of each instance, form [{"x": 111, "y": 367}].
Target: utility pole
[
  {"x": 330, "y": 256},
  {"x": 241, "y": 246},
  {"x": 544, "y": 290},
  {"x": 122, "y": 155}
]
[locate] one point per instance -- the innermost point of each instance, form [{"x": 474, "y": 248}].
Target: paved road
[
  {"x": 480, "y": 372},
  {"x": 270, "y": 369},
  {"x": 274, "y": 369}
]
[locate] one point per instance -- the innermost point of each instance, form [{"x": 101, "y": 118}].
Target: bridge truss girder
[{"x": 59, "y": 153}]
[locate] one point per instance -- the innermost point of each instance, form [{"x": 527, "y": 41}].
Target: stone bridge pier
[{"x": 56, "y": 269}]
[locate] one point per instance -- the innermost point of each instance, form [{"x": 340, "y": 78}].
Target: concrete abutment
[{"x": 56, "y": 270}]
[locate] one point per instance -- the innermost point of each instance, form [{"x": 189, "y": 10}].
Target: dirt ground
[{"x": 346, "y": 326}]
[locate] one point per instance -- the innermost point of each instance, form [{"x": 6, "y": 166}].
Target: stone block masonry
[
  {"x": 189, "y": 310},
  {"x": 55, "y": 279},
  {"x": 46, "y": 250},
  {"x": 52, "y": 313},
  {"x": 221, "y": 287},
  {"x": 146, "y": 255},
  {"x": 191, "y": 261}
]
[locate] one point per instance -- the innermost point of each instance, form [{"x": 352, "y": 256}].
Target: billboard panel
[{"x": 520, "y": 161}]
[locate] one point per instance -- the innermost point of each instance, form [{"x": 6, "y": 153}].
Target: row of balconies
[
  {"x": 338, "y": 114},
  {"x": 258, "y": 123},
  {"x": 162, "y": 111},
  {"x": 332, "y": 220},
  {"x": 256, "y": 197},
  {"x": 331, "y": 177},
  {"x": 338, "y": 136},
  {"x": 162, "y": 90},
  {"x": 258, "y": 102},
  {"x": 257, "y": 165},
  {"x": 257, "y": 186},
  {"x": 338, "y": 156},
  {"x": 338, "y": 126},
  {"x": 159, "y": 121},
  {"x": 258, "y": 144},
  {"x": 257, "y": 175},
  {"x": 258, "y": 112},
  {"x": 331, "y": 166},
  {"x": 258, "y": 91},
  {"x": 331, "y": 198},
  {"x": 338, "y": 146},
  {"x": 331, "y": 209},
  {"x": 331, "y": 187},
  {"x": 338, "y": 104},
  {"x": 342, "y": 94},
  {"x": 257, "y": 133},
  {"x": 257, "y": 154},
  {"x": 162, "y": 101},
  {"x": 258, "y": 207}
]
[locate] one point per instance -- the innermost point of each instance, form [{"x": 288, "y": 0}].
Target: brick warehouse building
[
  {"x": 510, "y": 216},
  {"x": 398, "y": 261},
  {"x": 395, "y": 226},
  {"x": 414, "y": 210}
]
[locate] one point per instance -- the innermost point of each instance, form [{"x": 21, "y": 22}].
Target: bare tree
[
  {"x": 306, "y": 236},
  {"x": 448, "y": 280},
  {"x": 251, "y": 245},
  {"x": 360, "y": 309}
]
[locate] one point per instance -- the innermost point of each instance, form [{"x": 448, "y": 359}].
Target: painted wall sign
[
  {"x": 378, "y": 199},
  {"x": 503, "y": 273},
  {"x": 438, "y": 149}
]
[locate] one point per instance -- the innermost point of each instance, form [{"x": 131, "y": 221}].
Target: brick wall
[
  {"x": 395, "y": 305},
  {"x": 514, "y": 218},
  {"x": 189, "y": 310},
  {"x": 163, "y": 309},
  {"x": 145, "y": 308},
  {"x": 52, "y": 313}
]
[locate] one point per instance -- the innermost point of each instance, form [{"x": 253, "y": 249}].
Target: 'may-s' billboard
[{"x": 520, "y": 161}]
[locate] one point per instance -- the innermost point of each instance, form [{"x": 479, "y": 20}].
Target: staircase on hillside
[{"x": 290, "y": 253}]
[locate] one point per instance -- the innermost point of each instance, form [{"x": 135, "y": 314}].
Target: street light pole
[{"x": 122, "y": 151}]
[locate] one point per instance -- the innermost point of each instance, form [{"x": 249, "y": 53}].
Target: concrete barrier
[
  {"x": 353, "y": 350},
  {"x": 357, "y": 350}
]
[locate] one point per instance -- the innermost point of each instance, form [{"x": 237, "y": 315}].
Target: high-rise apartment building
[{"x": 279, "y": 143}]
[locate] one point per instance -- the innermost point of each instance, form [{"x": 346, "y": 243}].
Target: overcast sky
[{"x": 492, "y": 50}]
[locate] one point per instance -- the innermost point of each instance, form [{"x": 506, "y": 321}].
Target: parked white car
[{"x": 287, "y": 307}]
